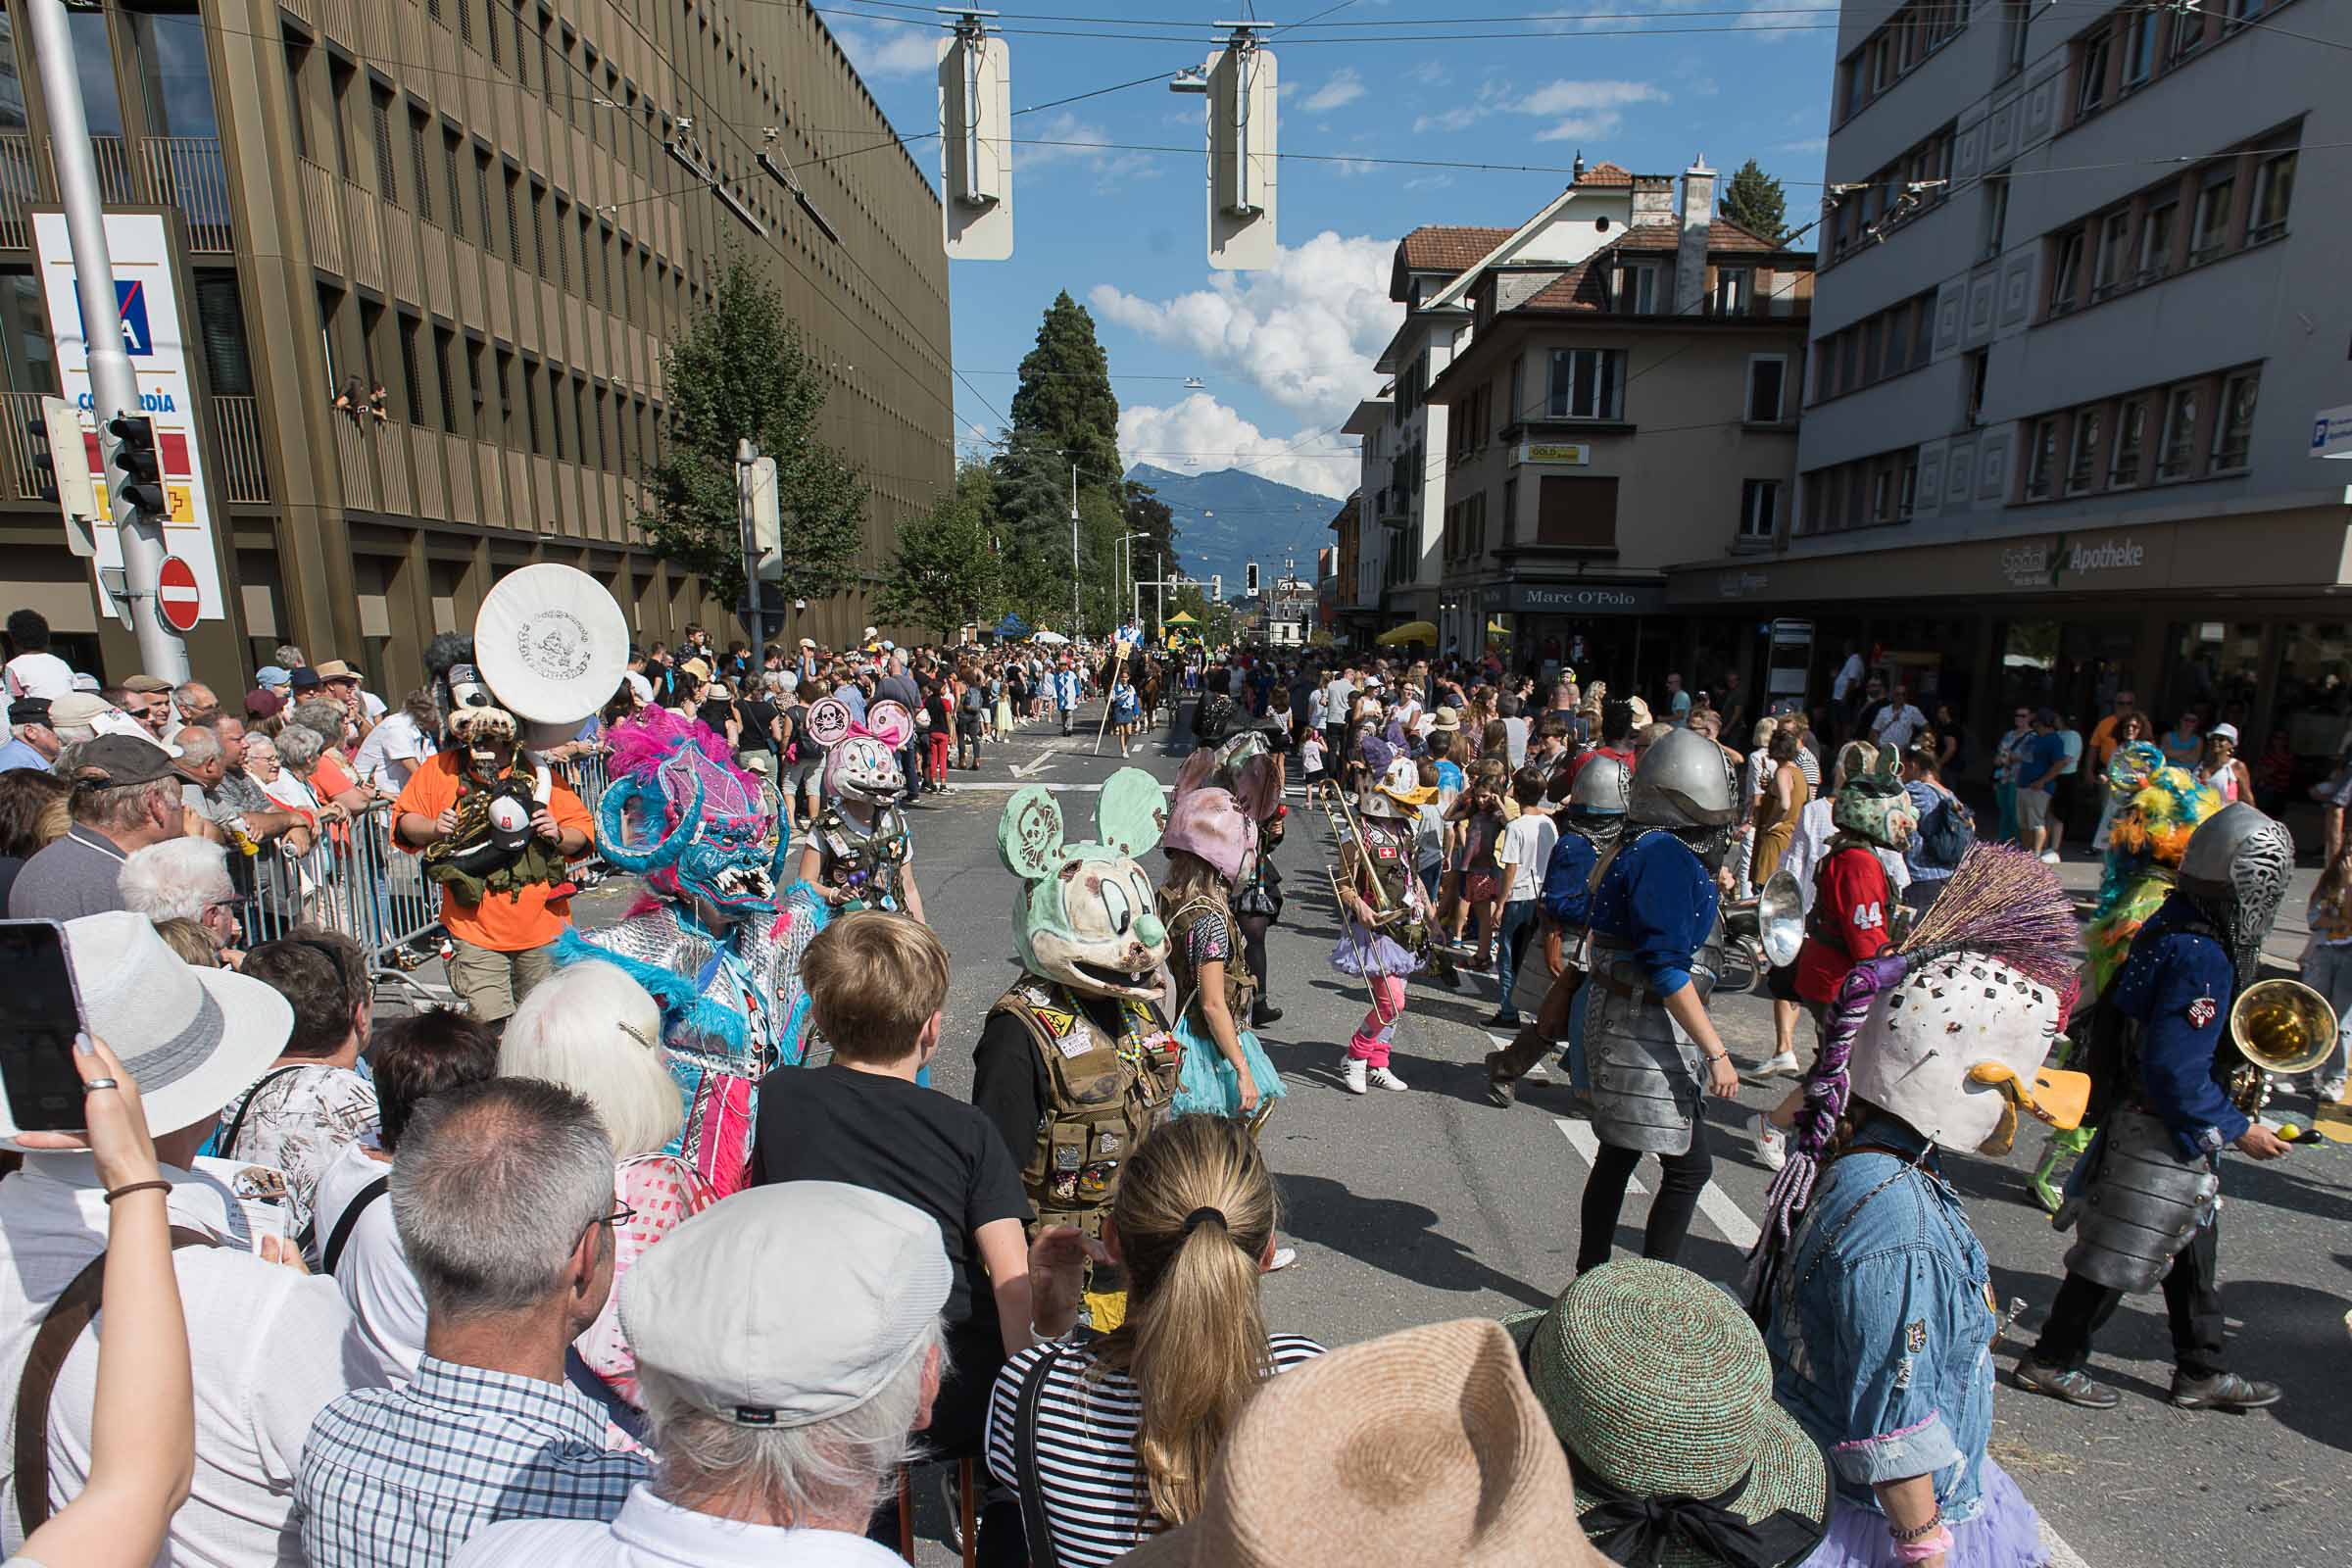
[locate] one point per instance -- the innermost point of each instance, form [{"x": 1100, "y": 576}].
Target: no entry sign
[{"x": 176, "y": 599}]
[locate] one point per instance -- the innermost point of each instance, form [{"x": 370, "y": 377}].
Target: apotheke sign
[{"x": 2046, "y": 562}]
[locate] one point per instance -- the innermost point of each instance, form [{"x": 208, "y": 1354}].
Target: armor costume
[
  {"x": 2142, "y": 1203},
  {"x": 1872, "y": 1290},
  {"x": 711, "y": 937},
  {"x": 1376, "y": 862}
]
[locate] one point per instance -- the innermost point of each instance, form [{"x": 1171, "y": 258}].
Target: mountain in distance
[{"x": 1230, "y": 517}]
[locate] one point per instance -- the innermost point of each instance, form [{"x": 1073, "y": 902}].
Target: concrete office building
[
  {"x": 473, "y": 203},
  {"x": 2079, "y": 300}
]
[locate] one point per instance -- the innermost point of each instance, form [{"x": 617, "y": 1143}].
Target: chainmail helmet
[
  {"x": 1684, "y": 781},
  {"x": 2237, "y": 868}
]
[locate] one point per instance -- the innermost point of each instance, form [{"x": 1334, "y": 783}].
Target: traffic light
[
  {"x": 141, "y": 481},
  {"x": 1250, "y": 580}
]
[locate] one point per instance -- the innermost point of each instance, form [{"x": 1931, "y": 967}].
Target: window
[
  {"x": 1586, "y": 384},
  {"x": 2082, "y": 449},
  {"x": 2042, "y": 460},
  {"x": 2189, "y": 33},
  {"x": 1510, "y": 510},
  {"x": 2211, "y": 234},
  {"x": 2066, "y": 272},
  {"x": 420, "y": 136},
  {"x": 1759, "y": 508},
  {"x": 1735, "y": 290},
  {"x": 441, "y": 377},
  {"x": 1767, "y": 381},
  {"x": 412, "y": 379},
  {"x": 387, "y": 182},
  {"x": 2090, "y": 73},
  {"x": 2131, "y": 439},
  {"x": 1907, "y": 488},
  {"x": 2177, "y": 449},
  {"x": 2274, "y": 187},
  {"x": 1996, "y": 214},
  {"x": 514, "y": 221},
  {"x": 1882, "y": 495},
  {"x": 2140, "y": 47},
  {"x": 2245, "y": 11},
  {"x": 2233, "y": 430},
  {"x": 2156, "y": 240},
  {"x": 2114, "y": 266},
  {"x": 1640, "y": 290},
  {"x": 2015, "y": 13},
  {"x": 450, "y": 164},
  {"x": 1980, "y": 362}
]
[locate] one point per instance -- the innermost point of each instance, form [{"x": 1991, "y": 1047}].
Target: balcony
[
  {"x": 233, "y": 451},
  {"x": 187, "y": 172}
]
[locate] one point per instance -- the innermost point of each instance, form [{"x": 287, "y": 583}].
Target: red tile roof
[
  {"x": 1722, "y": 235},
  {"x": 1582, "y": 287},
  {"x": 1605, "y": 174},
  {"x": 1448, "y": 247}
]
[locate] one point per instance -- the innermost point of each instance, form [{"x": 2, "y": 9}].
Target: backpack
[
  {"x": 1946, "y": 834},
  {"x": 972, "y": 700}
]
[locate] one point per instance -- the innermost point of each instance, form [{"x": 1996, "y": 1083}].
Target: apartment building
[
  {"x": 1620, "y": 397},
  {"x": 499, "y": 212},
  {"x": 2081, "y": 297}
]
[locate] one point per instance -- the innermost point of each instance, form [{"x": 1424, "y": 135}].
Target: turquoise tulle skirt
[{"x": 1206, "y": 1081}]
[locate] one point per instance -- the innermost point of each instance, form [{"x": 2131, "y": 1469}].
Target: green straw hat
[{"x": 1659, "y": 1386}]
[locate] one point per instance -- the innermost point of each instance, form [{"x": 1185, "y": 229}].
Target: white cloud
[
  {"x": 1576, "y": 110},
  {"x": 1212, "y": 436},
  {"x": 887, "y": 50},
  {"x": 1304, "y": 331},
  {"x": 1344, "y": 88},
  {"x": 1430, "y": 73},
  {"x": 1429, "y": 183},
  {"x": 1067, "y": 138},
  {"x": 1804, "y": 144}
]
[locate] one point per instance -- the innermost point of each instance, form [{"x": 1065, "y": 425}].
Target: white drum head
[{"x": 552, "y": 642}]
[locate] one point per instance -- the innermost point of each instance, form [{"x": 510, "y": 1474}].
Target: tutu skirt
[
  {"x": 1205, "y": 1083},
  {"x": 1361, "y": 953},
  {"x": 2006, "y": 1532}
]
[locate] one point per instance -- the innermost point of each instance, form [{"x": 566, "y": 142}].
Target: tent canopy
[
  {"x": 1050, "y": 638},
  {"x": 1180, "y": 619},
  {"x": 1013, "y": 625},
  {"x": 1413, "y": 631}
]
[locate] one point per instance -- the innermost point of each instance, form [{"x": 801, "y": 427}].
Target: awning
[{"x": 1413, "y": 631}]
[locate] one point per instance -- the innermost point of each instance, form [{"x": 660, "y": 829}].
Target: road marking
[
  {"x": 2062, "y": 1555},
  {"x": 1043, "y": 759}
]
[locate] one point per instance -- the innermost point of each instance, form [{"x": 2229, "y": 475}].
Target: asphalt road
[{"x": 1432, "y": 1205}]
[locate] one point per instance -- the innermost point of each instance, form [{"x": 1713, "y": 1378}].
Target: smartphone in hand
[{"x": 40, "y": 1017}]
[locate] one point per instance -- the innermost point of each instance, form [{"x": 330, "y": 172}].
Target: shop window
[
  {"x": 2310, "y": 706},
  {"x": 1586, "y": 384},
  {"x": 2233, "y": 430},
  {"x": 1577, "y": 512},
  {"x": 2213, "y": 670},
  {"x": 1759, "y": 509},
  {"x": 1767, "y": 382},
  {"x": 2082, "y": 449},
  {"x": 2176, "y": 448}
]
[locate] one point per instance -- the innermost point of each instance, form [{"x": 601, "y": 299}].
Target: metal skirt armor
[
  {"x": 1646, "y": 1077},
  {"x": 2140, "y": 1205}
]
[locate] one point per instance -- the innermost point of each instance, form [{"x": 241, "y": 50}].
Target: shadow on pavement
[{"x": 1393, "y": 1235}]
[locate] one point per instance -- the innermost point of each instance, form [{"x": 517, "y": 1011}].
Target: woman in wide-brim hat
[{"x": 1660, "y": 1390}]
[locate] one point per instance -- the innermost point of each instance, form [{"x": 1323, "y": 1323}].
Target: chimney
[
  {"x": 1654, "y": 199},
  {"x": 1690, "y": 253},
  {"x": 1575, "y": 171}
]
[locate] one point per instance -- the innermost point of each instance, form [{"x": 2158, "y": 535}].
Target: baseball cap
[
  {"x": 871, "y": 1279},
  {"x": 305, "y": 679},
  {"x": 29, "y": 711},
  {"x": 272, "y": 677},
  {"x": 147, "y": 685},
  {"x": 262, "y": 703},
  {"x": 79, "y": 708},
  {"x": 112, "y": 762}
]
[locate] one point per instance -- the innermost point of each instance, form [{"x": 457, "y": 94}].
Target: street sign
[
  {"x": 69, "y": 465},
  {"x": 177, "y": 599},
  {"x": 2331, "y": 432}
]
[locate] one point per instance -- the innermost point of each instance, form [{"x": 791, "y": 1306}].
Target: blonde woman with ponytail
[{"x": 1110, "y": 1439}]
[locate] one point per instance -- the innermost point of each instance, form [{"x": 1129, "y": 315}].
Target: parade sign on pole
[{"x": 155, "y": 337}]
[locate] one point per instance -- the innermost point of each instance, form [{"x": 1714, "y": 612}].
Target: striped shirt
[{"x": 1097, "y": 1502}]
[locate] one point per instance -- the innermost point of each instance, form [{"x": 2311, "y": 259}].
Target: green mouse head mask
[{"x": 1084, "y": 914}]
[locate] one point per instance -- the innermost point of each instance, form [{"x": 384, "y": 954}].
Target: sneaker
[
  {"x": 2049, "y": 856},
  {"x": 1783, "y": 1065},
  {"x": 2223, "y": 1390},
  {"x": 1381, "y": 1078},
  {"x": 1355, "y": 1071},
  {"x": 1284, "y": 1257},
  {"x": 2069, "y": 1384},
  {"x": 1772, "y": 1144},
  {"x": 2331, "y": 1093},
  {"x": 1503, "y": 1020}
]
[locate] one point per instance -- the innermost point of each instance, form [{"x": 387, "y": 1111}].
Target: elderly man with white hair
[
  {"x": 183, "y": 879},
  {"x": 781, "y": 1413}
]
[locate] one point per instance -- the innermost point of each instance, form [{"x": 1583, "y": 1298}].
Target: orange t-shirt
[{"x": 503, "y": 925}]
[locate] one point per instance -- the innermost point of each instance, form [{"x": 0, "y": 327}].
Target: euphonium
[{"x": 2279, "y": 1026}]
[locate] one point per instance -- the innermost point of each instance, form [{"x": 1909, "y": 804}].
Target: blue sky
[{"x": 1285, "y": 353}]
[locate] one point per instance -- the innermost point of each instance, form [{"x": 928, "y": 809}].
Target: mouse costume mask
[
  {"x": 861, "y": 761},
  {"x": 1084, "y": 916}
]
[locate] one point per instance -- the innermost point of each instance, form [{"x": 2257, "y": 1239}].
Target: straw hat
[
  {"x": 1659, "y": 1386},
  {"x": 1422, "y": 1447},
  {"x": 1447, "y": 720}
]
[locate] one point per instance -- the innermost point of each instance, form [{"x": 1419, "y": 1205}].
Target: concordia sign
[{"x": 155, "y": 336}]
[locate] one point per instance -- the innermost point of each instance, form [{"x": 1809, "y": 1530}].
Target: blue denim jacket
[{"x": 1882, "y": 1329}]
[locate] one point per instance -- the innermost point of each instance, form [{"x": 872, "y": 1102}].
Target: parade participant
[
  {"x": 1211, "y": 846},
  {"x": 859, "y": 853},
  {"x": 1256, "y": 906},
  {"x": 2143, "y": 1203},
  {"x": 1384, "y": 934},
  {"x": 1655, "y": 951},
  {"x": 1077, "y": 1062},
  {"x": 1874, "y": 1293},
  {"x": 1589, "y": 831},
  {"x": 1853, "y": 904},
  {"x": 2146, "y": 837},
  {"x": 710, "y": 935}
]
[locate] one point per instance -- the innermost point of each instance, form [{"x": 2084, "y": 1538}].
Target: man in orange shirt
[
  {"x": 495, "y": 830},
  {"x": 2105, "y": 737}
]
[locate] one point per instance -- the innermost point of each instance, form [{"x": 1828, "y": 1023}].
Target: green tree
[
  {"x": 739, "y": 373},
  {"x": 1065, "y": 393},
  {"x": 945, "y": 571},
  {"x": 1753, "y": 199},
  {"x": 1030, "y": 487}
]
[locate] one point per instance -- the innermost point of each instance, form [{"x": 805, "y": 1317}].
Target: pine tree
[
  {"x": 741, "y": 372},
  {"x": 1753, "y": 199},
  {"x": 1066, "y": 392},
  {"x": 945, "y": 571}
]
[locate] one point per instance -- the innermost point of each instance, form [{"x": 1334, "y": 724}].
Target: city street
[{"x": 1433, "y": 1204}]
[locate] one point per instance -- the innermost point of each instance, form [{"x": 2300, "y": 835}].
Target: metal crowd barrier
[{"x": 354, "y": 880}]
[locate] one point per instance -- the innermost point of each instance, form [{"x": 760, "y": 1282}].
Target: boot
[
  {"x": 1500, "y": 1091},
  {"x": 1507, "y": 1067},
  {"x": 1262, "y": 1015},
  {"x": 1441, "y": 970},
  {"x": 2048, "y": 1181}
]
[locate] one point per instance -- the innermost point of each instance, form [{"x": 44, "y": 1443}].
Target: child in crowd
[
  {"x": 1430, "y": 833},
  {"x": 1126, "y": 708},
  {"x": 1310, "y": 764},
  {"x": 1478, "y": 882},
  {"x": 1526, "y": 849}
]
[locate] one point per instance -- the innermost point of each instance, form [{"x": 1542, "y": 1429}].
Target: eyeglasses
[{"x": 619, "y": 1217}]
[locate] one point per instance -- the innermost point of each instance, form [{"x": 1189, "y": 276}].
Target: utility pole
[
  {"x": 114, "y": 388},
  {"x": 747, "y": 457},
  {"x": 1073, "y": 550}
]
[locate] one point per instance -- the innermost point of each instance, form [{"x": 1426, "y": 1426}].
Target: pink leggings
[{"x": 1370, "y": 1042}]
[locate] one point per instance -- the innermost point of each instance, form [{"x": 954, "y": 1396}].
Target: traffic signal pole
[{"x": 113, "y": 389}]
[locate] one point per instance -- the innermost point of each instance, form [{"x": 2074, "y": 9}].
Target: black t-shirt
[
  {"x": 886, "y": 1135},
  {"x": 756, "y": 715},
  {"x": 716, "y": 713}
]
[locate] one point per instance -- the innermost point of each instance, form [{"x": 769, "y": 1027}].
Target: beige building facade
[{"x": 499, "y": 213}]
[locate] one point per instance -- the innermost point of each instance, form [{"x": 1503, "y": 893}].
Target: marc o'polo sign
[
  {"x": 2054, "y": 562},
  {"x": 1584, "y": 599}
]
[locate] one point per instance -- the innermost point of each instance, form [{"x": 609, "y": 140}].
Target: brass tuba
[{"x": 2278, "y": 1026}]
